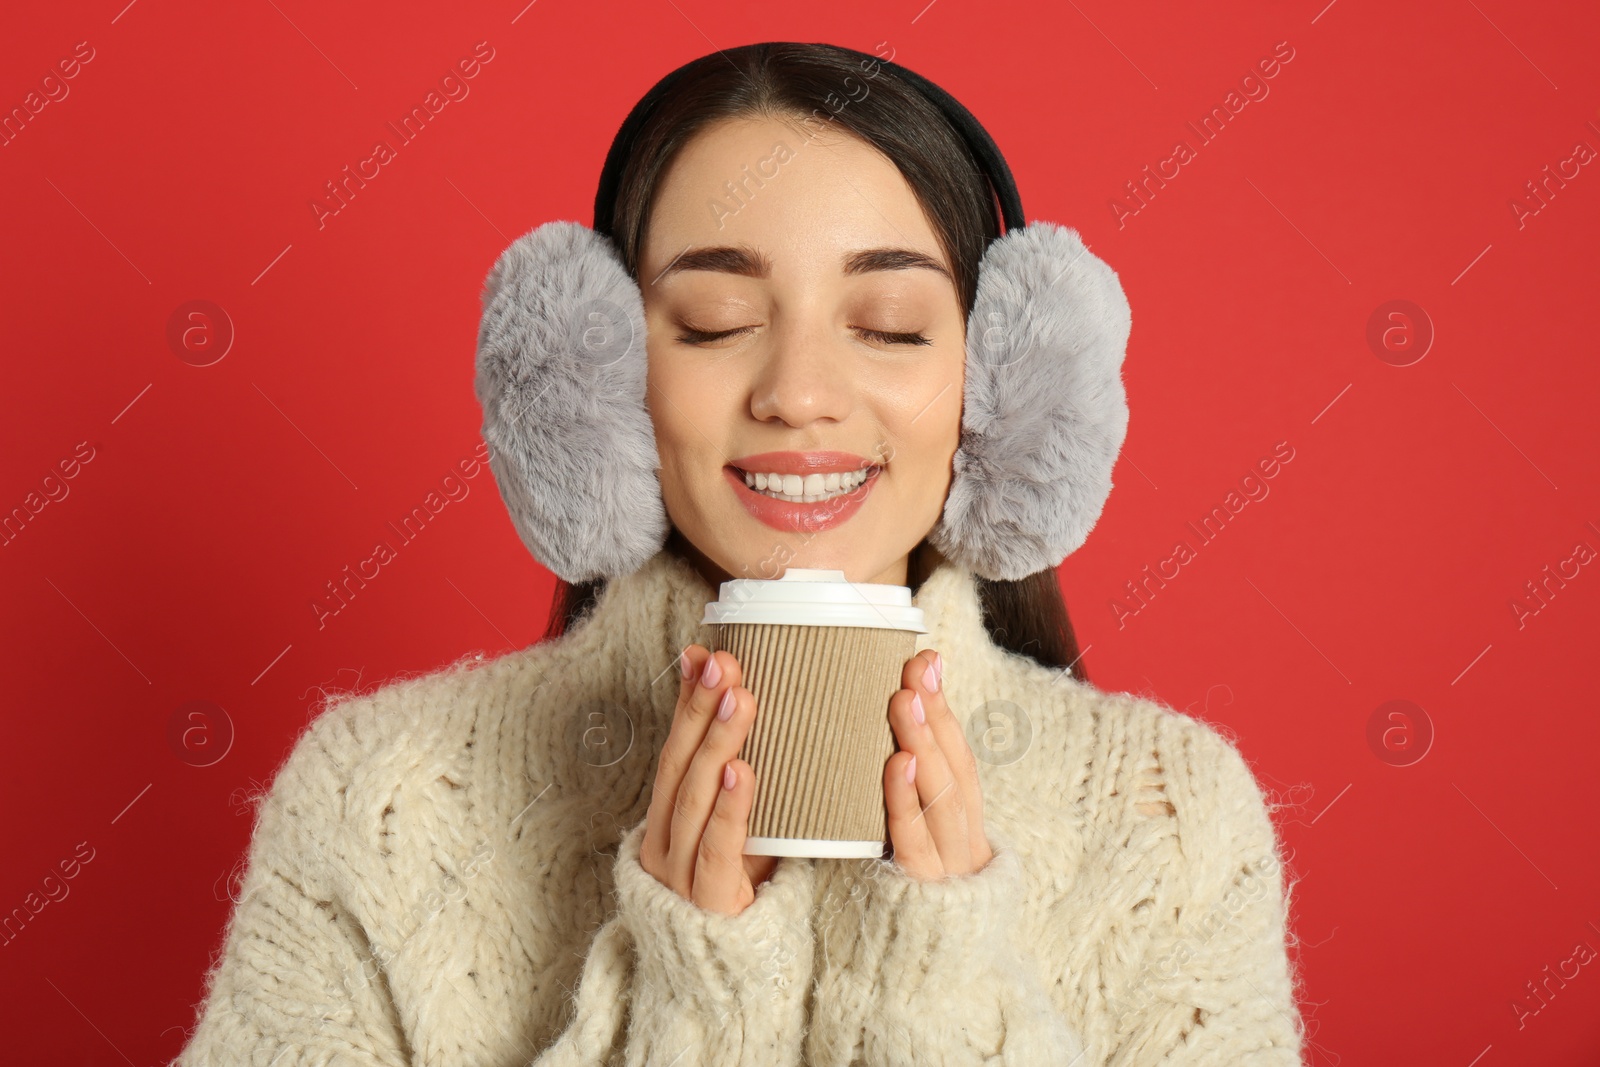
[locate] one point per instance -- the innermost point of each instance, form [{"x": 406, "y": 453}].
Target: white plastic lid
[{"x": 807, "y": 596}]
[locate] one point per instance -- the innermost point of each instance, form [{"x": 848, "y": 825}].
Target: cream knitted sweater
[{"x": 445, "y": 872}]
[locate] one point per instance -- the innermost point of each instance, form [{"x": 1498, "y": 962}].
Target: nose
[{"x": 804, "y": 375}]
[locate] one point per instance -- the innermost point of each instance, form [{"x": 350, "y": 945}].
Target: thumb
[{"x": 759, "y": 868}]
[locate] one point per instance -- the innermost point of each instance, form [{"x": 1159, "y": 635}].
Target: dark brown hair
[{"x": 823, "y": 88}]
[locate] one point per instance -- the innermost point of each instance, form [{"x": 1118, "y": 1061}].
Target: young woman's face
[{"x": 811, "y": 329}]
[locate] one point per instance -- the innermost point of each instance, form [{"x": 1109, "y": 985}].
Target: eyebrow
[{"x": 751, "y": 263}]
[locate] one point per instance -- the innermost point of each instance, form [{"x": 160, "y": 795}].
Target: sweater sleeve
[
  {"x": 698, "y": 986},
  {"x": 1215, "y": 985},
  {"x": 950, "y": 985},
  {"x": 296, "y": 981}
]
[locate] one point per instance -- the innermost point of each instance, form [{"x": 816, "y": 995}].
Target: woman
[{"x": 538, "y": 858}]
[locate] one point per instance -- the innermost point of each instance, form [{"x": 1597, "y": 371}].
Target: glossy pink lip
[
  {"x": 807, "y": 518},
  {"x": 802, "y": 463}
]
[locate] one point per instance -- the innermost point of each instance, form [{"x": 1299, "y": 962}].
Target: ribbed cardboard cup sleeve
[{"x": 821, "y": 734}]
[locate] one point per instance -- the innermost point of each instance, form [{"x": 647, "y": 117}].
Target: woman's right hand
[{"x": 700, "y": 805}]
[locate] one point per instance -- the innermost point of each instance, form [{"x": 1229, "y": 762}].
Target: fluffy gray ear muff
[
  {"x": 561, "y": 379},
  {"x": 1044, "y": 412}
]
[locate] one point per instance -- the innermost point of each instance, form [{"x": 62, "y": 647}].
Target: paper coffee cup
[{"x": 822, "y": 656}]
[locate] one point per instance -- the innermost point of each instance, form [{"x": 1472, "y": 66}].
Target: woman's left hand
[{"x": 931, "y": 785}]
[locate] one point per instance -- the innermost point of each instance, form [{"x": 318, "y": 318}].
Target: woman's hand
[
  {"x": 700, "y": 806},
  {"x": 931, "y": 785}
]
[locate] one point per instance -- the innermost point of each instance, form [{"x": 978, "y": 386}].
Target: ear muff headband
[{"x": 561, "y": 364}]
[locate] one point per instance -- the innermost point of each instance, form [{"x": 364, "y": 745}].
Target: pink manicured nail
[
  {"x": 712, "y": 674},
  {"x": 725, "y": 709},
  {"x": 683, "y": 663},
  {"x": 938, "y": 666},
  {"x": 916, "y": 709},
  {"x": 729, "y": 779},
  {"x": 930, "y": 679},
  {"x": 911, "y": 771}
]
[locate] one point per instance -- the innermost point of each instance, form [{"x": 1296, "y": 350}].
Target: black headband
[{"x": 984, "y": 151}]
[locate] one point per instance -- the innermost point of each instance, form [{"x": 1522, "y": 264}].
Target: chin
[
  {"x": 757, "y": 551},
  {"x": 763, "y": 557}
]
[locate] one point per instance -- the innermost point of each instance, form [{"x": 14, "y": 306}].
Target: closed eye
[
  {"x": 692, "y": 336},
  {"x": 897, "y": 338}
]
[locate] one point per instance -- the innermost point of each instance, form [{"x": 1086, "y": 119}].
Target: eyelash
[{"x": 699, "y": 337}]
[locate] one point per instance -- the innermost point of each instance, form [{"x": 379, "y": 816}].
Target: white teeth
[{"x": 809, "y": 489}]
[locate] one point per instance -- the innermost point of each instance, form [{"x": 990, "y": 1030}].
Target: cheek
[
  {"x": 689, "y": 410},
  {"x": 928, "y": 426},
  {"x": 925, "y": 429},
  {"x": 665, "y": 418},
  {"x": 933, "y": 446}
]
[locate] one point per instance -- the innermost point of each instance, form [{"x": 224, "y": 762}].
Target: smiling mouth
[{"x": 809, "y": 488}]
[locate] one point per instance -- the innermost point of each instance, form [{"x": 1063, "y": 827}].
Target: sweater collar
[{"x": 642, "y": 621}]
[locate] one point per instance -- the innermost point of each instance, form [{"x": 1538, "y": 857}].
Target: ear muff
[
  {"x": 1044, "y": 412},
  {"x": 561, "y": 365},
  {"x": 561, "y": 378}
]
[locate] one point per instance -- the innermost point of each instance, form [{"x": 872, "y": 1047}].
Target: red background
[{"x": 1382, "y": 566}]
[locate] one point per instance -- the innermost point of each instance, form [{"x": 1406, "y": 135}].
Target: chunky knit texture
[{"x": 445, "y": 872}]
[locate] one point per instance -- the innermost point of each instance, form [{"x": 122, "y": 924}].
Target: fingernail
[
  {"x": 911, "y": 771},
  {"x": 916, "y": 709},
  {"x": 930, "y": 679},
  {"x": 712, "y": 674},
  {"x": 729, "y": 779},
  {"x": 938, "y": 666},
  {"x": 725, "y": 709},
  {"x": 683, "y": 663}
]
